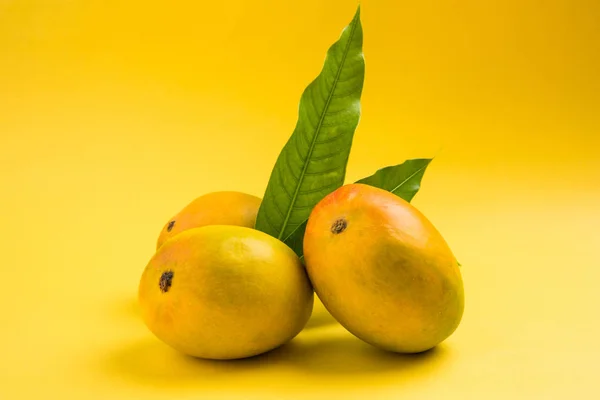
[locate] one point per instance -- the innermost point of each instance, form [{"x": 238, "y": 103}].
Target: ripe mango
[
  {"x": 225, "y": 292},
  {"x": 217, "y": 208},
  {"x": 383, "y": 270}
]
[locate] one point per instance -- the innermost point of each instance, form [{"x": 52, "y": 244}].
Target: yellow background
[{"x": 115, "y": 114}]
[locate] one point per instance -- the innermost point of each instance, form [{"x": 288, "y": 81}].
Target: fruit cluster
[{"x": 217, "y": 288}]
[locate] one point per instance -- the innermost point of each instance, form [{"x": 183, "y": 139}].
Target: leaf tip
[{"x": 357, "y": 14}]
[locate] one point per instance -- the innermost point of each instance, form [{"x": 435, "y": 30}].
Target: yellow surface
[{"x": 115, "y": 114}]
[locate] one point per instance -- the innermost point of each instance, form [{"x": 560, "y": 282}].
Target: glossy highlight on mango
[{"x": 383, "y": 270}]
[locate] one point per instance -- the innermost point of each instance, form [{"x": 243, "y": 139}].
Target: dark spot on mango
[
  {"x": 165, "y": 281},
  {"x": 170, "y": 226},
  {"x": 339, "y": 226}
]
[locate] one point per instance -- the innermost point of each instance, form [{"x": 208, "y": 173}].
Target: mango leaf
[
  {"x": 403, "y": 180},
  {"x": 313, "y": 162}
]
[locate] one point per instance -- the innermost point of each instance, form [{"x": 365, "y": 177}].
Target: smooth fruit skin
[
  {"x": 383, "y": 270},
  {"x": 225, "y": 292},
  {"x": 217, "y": 208}
]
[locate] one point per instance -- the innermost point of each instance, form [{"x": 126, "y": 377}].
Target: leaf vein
[
  {"x": 350, "y": 93},
  {"x": 409, "y": 178},
  {"x": 282, "y": 184},
  {"x": 305, "y": 192},
  {"x": 337, "y": 167},
  {"x": 287, "y": 163},
  {"x": 333, "y": 138},
  {"x": 320, "y": 158}
]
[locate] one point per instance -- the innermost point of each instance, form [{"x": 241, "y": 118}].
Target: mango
[
  {"x": 225, "y": 292},
  {"x": 383, "y": 270},
  {"x": 217, "y": 208}
]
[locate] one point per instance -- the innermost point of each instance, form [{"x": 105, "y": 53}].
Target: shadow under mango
[{"x": 323, "y": 349}]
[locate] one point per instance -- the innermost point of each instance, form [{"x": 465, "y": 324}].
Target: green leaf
[
  {"x": 313, "y": 162},
  {"x": 404, "y": 180}
]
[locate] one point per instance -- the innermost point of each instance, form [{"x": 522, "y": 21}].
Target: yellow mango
[
  {"x": 225, "y": 292},
  {"x": 217, "y": 208},
  {"x": 383, "y": 270}
]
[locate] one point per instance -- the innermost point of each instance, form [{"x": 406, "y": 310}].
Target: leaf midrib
[
  {"x": 317, "y": 130},
  {"x": 409, "y": 178}
]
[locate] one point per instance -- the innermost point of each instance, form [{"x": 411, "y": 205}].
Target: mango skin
[
  {"x": 234, "y": 292},
  {"x": 388, "y": 276},
  {"x": 217, "y": 208}
]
